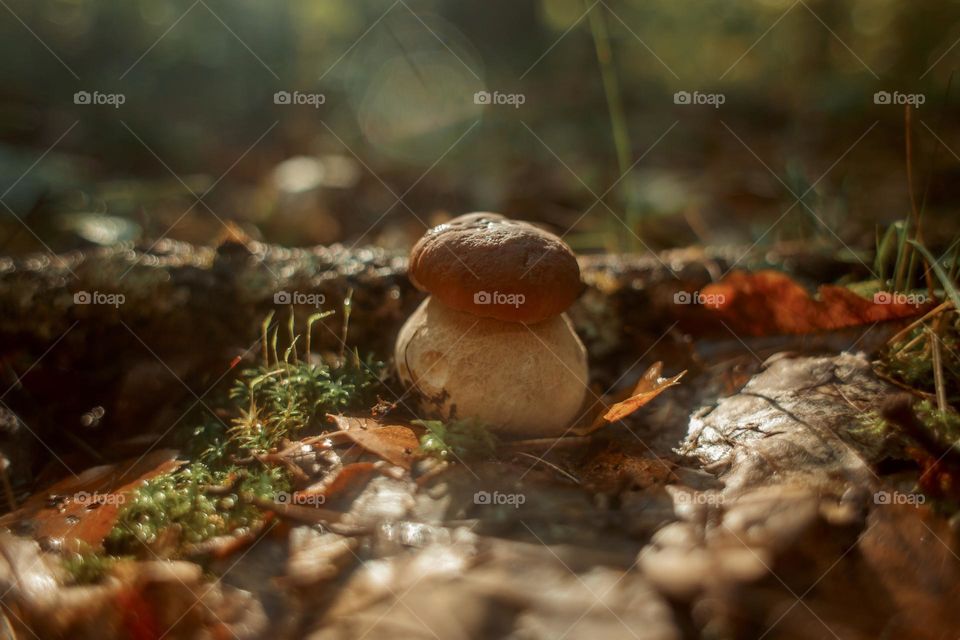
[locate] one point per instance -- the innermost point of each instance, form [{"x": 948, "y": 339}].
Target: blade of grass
[
  {"x": 611, "y": 89},
  {"x": 909, "y": 256},
  {"x": 885, "y": 247},
  {"x": 955, "y": 267},
  {"x": 948, "y": 286},
  {"x": 903, "y": 228}
]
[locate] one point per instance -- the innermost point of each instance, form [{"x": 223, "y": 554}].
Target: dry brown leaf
[
  {"x": 770, "y": 303},
  {"x": 397, "y": 444},
  {"x": 650, "y": 386}
]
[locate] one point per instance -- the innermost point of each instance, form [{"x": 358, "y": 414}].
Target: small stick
[
  {"x": 905, "y": 387},
  {"x": 552, "y": 466},
  {"x": 913, "y": 325},
  {"x": 546, "y": 443},
  {"x": 938, "y": 382}
]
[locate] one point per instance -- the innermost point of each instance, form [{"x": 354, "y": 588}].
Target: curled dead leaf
[
  {"x": 650, "y": 386},
  {"x": 397, "y": 444}
]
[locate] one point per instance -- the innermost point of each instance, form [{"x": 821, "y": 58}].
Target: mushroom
[{"x": 491, "y": 342}]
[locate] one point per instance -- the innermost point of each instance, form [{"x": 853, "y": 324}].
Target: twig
[
  {"x": 915, "y": 392},
  {"x": 938, "y": 382},
  {"x": 916, "y": 323},
  {"x": 559, "y": 470},
  {"x": 545, "y": 443}
]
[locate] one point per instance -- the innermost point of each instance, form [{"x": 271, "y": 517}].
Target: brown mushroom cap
[{"x": 493, "y": 267}]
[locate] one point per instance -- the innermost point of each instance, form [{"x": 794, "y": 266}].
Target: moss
[
  {"x": 944, "y": 425},
  {"x": 270, "y": 403},
  {"x": 457, "y": 439},
  {"x": 87, "y": 568},
  {"x": 871, "y": 424},
  {"x": 178, "y": 508},
  {"x": 281, "y": 401},
  {"x": 911, "y": 359}
]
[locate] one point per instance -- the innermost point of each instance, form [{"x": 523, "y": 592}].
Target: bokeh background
[{"x": 598, "y": 150}]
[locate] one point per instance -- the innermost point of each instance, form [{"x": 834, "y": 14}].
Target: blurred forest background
[{"x": 599, "y": 149}]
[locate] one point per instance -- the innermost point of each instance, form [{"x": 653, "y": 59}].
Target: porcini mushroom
[{"x": 491, "y": 342}]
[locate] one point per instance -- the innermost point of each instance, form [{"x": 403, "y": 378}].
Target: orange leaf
[
  {"x": 649, "y": 387},
  {"x": 770, "y": 303}
]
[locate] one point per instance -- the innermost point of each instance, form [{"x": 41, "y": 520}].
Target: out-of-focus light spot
[
  {"x": 100, "y": 229},
  {"x": 298, "y": 174},
  {"x": 412, "y": 98}
]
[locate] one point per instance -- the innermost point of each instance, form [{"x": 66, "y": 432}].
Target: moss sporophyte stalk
[{"x": 213, "y": 494}]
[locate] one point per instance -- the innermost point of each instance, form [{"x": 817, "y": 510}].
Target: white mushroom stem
[{"x": 520, "y": 380}]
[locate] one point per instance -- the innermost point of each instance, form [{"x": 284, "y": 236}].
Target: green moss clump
[
  {"x": 944, "y": 425},
  {"x": 178, "y": 504},
  {"x": 269, "y": 403},
  {"x": 457, "y": 438},
  {"x": 870, "y": 424},
  {"x": 280, "y": 401},
  {"x": 87, "y": 568}
]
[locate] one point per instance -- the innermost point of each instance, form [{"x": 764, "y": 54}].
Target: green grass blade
[{"x": 948, "y": 286}]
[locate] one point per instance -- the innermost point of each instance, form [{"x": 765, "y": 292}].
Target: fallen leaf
[
  {"x": 80, "y": 511},
  {"x": 769, "y": 302},
  {"x": 650, "y": 386},
  {"x": 397, "y": 444}
]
